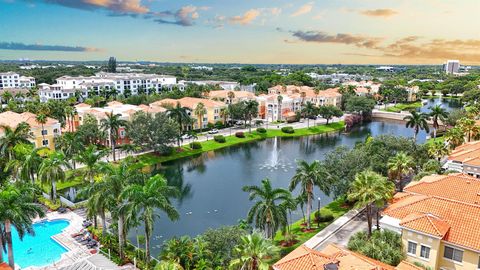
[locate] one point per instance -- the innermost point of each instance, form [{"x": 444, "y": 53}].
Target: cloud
[
  {"x": 379, "y": 12},
  {"x": 247, "y": 18},
  {"x": 348, "y": 39},
  {"x": 17, "y": 46},
  {"x": 307, "y": 8},
  {"x": 185, "y": 16},
  {"x": 115, "y": 6}
]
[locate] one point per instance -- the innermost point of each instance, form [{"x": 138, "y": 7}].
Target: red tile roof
[
  {"x": 4, "y": 266},
  {"x": 427, "y": 223}
]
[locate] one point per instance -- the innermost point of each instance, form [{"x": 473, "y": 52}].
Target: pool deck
[{"x": 75, "y": 251}]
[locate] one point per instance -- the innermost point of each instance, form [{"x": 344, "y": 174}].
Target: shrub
[
  {"x": 219, "y": 138},
  {"x": 219, "y": 124},
  {"x": 261, "y": 130},
  {"x": 385, "y": 246},
  {"x": 288, "y": 130},
  {"x": 195, "y": 145},
  {"x": 239, "y": 134},
  {"x": 325, "y": 215},
  {"x": 48, "y": 203},
  {"x": 210, "y": 125}
]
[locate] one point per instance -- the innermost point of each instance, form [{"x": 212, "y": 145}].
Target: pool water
[{"x": 40, "y": 249}]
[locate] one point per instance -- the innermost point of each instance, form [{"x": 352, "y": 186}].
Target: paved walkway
[{"x": 331, "y": 230}]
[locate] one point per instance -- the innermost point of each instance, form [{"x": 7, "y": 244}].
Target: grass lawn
[
  {"x": 404, "y": 107},
  {"x": 338, "y": 209},
  {"x": 186, "y": 151}
]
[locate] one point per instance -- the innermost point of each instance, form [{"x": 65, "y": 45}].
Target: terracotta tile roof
[
  {"x": 427, "y": 223},
  {"x": 458, "y": 186},
  {"x": 303, "y": 258},
  {"x": 463, "y": 218},
  {"x": 114, "y": 103},
  {"x": 466, "y": 152},
  {"x": 12, "y": 119},
  {"x": 4, "y": 266},
  {"x": 224, "y": 94},
  {"x": 189, "y": 102},
  {"x": 405, "y": 265}
]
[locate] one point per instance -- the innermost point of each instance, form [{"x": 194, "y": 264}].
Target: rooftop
[{"x": 12, "y": 119}]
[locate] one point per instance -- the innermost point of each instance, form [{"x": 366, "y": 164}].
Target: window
[
  {"x": 425, "y": 252},
  {"x": 412, "y": 248},
  {"x": 453, "y": 254},
  {"x": 55, "y": 130},
  {"x": 45, "y": 142},
  {"x": 44, "y": 132}
]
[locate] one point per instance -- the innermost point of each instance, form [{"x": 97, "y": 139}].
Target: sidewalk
[{"x": 331, "y": 229}]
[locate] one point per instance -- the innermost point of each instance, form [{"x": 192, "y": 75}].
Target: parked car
[
  {"x": 213, "y": 131},
  {"x": 186, "y": 136}
]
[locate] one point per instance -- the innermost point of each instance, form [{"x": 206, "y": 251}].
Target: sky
[{"x": 243, "y": 31}]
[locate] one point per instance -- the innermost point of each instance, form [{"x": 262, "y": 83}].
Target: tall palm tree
[
  {"x": 454, "y": 137},
  {"x": 17, "y": 210},
  {"x": 42, "y": 120},
  {"x": 251, "y": 109},
  {"x": 279, "y": 113},
  {"x": 417, "y": 121},
  {"x": 469, "y": 128},
  {"x": 224, "y": 113},
  {"x": 111, "y": 124},
  {"x": 267, "y": 212},
  {"x": 437, "y": 113},
  {"x": 231, "y": 96},
  {"x": 398, "y": 166},
  {"x": 13, "y": 136},
  {"x": 253, "y": 253},
  {"x": 91, "y": 157},
  {"x": 147, "y": 199},
  {"x": 438, "y": 149},
  {"x": 52, "y": 170},
  {"x": 308, "y": 176},
  {"x": 179, "y": 114},
  {"x": 369, "y": 189},
  {"x": 199, "y": 112},
  {"x": 309, "y": 110},
  {"x": 70, "y": 143},
  {"x": 26, "y": 162}
]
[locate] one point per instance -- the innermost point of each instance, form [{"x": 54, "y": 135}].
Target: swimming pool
[{"x": 41, "y": 249}]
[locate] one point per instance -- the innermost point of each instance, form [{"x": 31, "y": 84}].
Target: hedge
[
  {"x": 219, "y": 138},
  {"x": 288, "y": 130}
]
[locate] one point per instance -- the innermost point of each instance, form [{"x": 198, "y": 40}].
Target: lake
[{"x": 212, "y": 183}]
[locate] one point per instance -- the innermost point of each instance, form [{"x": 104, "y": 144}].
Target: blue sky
[{"x": 243, "y": 31}]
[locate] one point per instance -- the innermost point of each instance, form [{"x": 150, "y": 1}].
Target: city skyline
[{"x": 270, "y": 31}]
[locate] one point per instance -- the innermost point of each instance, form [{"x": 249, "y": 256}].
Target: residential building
[
  {"x": 292, "y": 99},
  {"x": 124, "y": 83},
  {"x": 212, "y": 108},
  {"x": 224, "y": 96},
  {"x": 452, "y": 66},
  {"x": 126, "y": 112},
  {"x": 12, "y": 80},
  {"x": 465, "y": 159},
  {"x": 42, "y": 135},
  {"x": 363, "y": 88},
  {"x": 333, "y": 257},
  {"x": 439, "y": 220}
]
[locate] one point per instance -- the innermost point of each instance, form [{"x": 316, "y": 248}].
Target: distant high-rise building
[{"x": 452, "y": 66}]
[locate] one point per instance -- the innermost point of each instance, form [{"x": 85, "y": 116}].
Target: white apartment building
[
  {"x": 452, "y": 66},
  {"x": 66, "y": 86},
  {"x": 12, "y": 80}
]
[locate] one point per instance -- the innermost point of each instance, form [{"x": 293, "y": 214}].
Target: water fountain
[{"x": 276, "y": 161}]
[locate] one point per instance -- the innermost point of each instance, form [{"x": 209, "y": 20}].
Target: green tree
[
  {"x": 71, "y": 144},
  {"x": 52, "y": 170},
  {"x": 309, "y": 110},
  {"x": 438, "y": 113},
  {"x": 359, "y": 104},
  {"x": 13, "y": 136},
  {"x": 251, "y": 111},
  {"x": 307, "y": 176},
  {"x": 199, "y": 112},
  {"x": 42, "y": 120},
  {"x": 112, "y": 65},
  {"x": 279, "y": 102},
  {"x": 369, "y": 189},
  {"x": 91, "y": 158},
  {"x": 438, "y": 149},
  {"x": 329, "y": 111},
  {"x": 417, "y": 121},
  {"x": 469, "y": 128},
  {"x": 18, "y": 210},
  {"x": 179, "y": 114},
  {"x": 111, "y": 125},
  {"x": 399, "y": 166},
  {"x": 455, "y": 137},
  {"x": 267, "y": 212},
  {"x": 253, "y": 253},
  {"x": 147, "y": 199}
]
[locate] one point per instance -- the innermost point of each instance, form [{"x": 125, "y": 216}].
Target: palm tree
[
  {"x": 437, "y": 113},
  {"x": 70, "y": 143},
  {"x": 369, "y": 189},
  {"x": 147, "y": 199},
  {"x": 251, "y": 109},
  {"x": 267, "y": 211},
  {"x": 454, "y": 137},
  {"x": 42, "y": 120},
  {"x": 12, "y": 137},
  {"x": 179, "y": 114},
  {"x": 17, "y": 210},
  {"x": 26, "y": 162},
  {"x": 398, "y": 166},
  {"x": 253, "y": 253},
  {"x": 417, "y": 121},
  {"x": 438, "y": 149},
  {"x": 91, "y": 157},
  {"x": 309, "y": 110},
  {"x": 179, "y": 250},
  {"x": 112, "y": 124},
  {"x": 199, "y": 112},
  {"x": 231, "y": 96},
  {"x": 52, "y": 170},
  {"x": 279, "y": 101},
  {"x": 469, "y": 128},
  {"x": 308, "y": 176}
]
